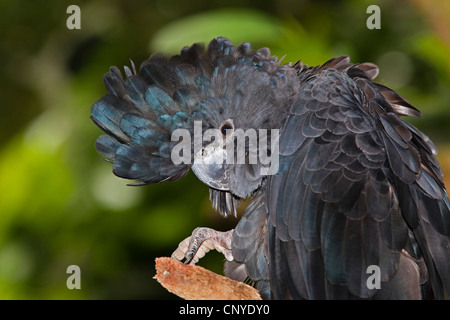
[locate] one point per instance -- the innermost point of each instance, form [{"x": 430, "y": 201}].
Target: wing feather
[{"x": 360, "y": 187}]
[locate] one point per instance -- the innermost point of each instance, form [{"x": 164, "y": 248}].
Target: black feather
[{"x": 357, "y": 186}]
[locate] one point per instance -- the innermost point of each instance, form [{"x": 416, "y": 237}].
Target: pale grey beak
[{"x": 210, "y": 167}]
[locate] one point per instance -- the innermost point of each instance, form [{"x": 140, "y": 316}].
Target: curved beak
[{"x": 210, "y": 167}]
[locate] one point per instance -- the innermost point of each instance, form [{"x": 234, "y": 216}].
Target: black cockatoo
[{"x": 351, "y": 203}]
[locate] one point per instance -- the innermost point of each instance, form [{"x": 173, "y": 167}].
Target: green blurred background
[{"x": 60, "y": 204}]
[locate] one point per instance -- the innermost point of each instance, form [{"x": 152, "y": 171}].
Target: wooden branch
[{"x": 192, "y": 282}]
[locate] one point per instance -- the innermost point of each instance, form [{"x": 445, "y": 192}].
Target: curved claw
[{"x": 202, "y": 241}]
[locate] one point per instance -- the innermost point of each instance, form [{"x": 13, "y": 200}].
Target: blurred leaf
[
  {"x": 430, "y": 47},
  {"x": 238, "y": 25},
  {"x": 296, "y": 43},
  {"x": 164, "y": 226},
  {"x": 31, "y": 175}
]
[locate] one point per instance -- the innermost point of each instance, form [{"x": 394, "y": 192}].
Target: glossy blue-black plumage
[
  {"x": 375, "y": 188},
  {"x": 357, "y": 186}
]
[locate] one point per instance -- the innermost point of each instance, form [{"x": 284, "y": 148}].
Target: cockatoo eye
[{"x": 226, "y": 125}]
